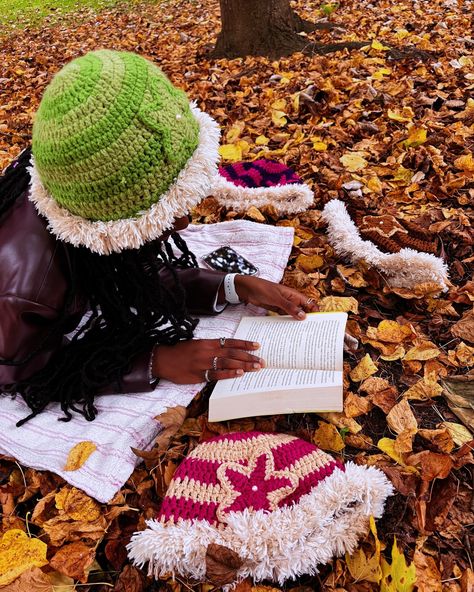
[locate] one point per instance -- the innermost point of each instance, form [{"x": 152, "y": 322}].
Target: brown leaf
[
  {"x": 222, "y": 565},
  {"x": 355, "y": 405},
  {"x": 428, "y": 576},
  {"x": 431, "y": 464},
  {"x": 327, "y": 437},
  {"x": 403, "y": 481},
  {"x": 401, "y": 418},
  {"x": 380, "y": 392},
  {"x": 131, "y": 579},
  {"x": 33, "y": 580},
  {"x": 73, "y": 560},
  {"x": 77, "y": 505},
  {"x": 441, "y": 439},
  {"x": 464, "y": 328}
]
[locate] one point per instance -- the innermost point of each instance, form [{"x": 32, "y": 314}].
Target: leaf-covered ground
[{"x": 390, "y": 136}]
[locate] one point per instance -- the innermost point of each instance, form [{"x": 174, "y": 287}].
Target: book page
[
  {"x": 272, "y": 379},
  {"x": 313, "y": 344}
]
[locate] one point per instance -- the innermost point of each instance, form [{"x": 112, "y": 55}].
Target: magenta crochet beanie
[{"x": 282, "y": 504}]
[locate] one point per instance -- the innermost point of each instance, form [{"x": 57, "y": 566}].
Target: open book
[{"x": 303, "y": 370}]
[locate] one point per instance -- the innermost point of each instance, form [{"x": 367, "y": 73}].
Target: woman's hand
[
  {"x": 273, "y": 296},
  {"x": 187, "y": 361}
]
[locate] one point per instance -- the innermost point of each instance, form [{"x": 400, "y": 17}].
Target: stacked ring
[
  {"x": 206, "y": 376},
  {"x": 222, "y": 341},
  {"x": 214, "y": 362}
]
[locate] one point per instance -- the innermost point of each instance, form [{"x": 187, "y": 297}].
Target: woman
[{"x": 119, "y": 157}]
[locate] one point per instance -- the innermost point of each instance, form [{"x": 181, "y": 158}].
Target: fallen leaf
[
  {"x": 79, "y": 454},
  {"x": 460, "y": 434},
  {"x": 77, "y": 505},
  {"x": 422, "y": 352},
  {"x": 401, "y": 418},
  {"x": 428, "y": 576},
  {"x": 464, "y": 328},
  {"x": 397, "y": 576},
  {"x": 222, "y": 564},
  {"x": 365, "y": 368},
  {"x": 432, "y": 465},
  {"x": 387, "y": 445},
  {"x": 19, "y": 553},
  {"x": 309, "y": 263},
  {"x": 32, "y": 580},
  {"x": 355, "y": 405},
  {"x": 73, "y": 560},
  {"x": 61, "y": 582},
  {"x": 354, "y": 161},
  {"x": 363, "y": 567},
  {"x": 465, "y": 163},
  {"x": 441, "y": 439},
  {"x": 338, "y": 304},
  {"x": 327, "y": 437},
  {"x": 391, "y": 332},
  {"x": 416, "y": 137},
  {"x": 423, "y": 389}
]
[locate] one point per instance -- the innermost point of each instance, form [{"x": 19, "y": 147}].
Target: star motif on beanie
[{"x": 257, "y": 485}]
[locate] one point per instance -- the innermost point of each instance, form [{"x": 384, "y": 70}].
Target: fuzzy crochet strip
[{"x": 407, "y": 268}]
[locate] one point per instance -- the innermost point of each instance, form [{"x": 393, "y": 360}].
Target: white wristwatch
[{"x": 231, "y": 295}]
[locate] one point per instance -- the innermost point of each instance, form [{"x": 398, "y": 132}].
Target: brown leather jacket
[{"x": 34, "y": 276}]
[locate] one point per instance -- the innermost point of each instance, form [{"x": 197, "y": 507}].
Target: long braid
[{"x": 131, "y": 310}]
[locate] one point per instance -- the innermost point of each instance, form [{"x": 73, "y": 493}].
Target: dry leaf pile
[{"x": 395, "y": 136}]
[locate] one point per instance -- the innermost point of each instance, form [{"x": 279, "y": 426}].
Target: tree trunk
[{"x": 260, "y": 27}]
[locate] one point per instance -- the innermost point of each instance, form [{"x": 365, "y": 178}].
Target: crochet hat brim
[
  {"x": 285, "y": 199},
  {"x": 192, "y": 185},
  {"x": 407, "y": 268},
  {"x": 277, "y": 545}
]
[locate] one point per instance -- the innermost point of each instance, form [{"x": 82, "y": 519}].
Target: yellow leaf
[
  {"x": 402, "y": 33},
  {"x": 460, "y": 434},
  {"x": 391, "y": 332},
  {"x": 362, "y": 567},
  {"x": 353, "y": 161},
  {"x": 79, "y": 454},
  {"x": 423, "y": 389},
  {"x": 309, "y": 263},
  {"x": 364, "y": 369},
  {"x": 397, "y": 354},
  {"x": 320, "y": 146},
  {"x": 422, "y": 352},
  {"x": 261, "y": 141},
  {"x": 19, "y": 552},
  {"x": 465, "y": 163},
  {"x": 278, "y": 112},
  {"x": 388, "y": 446},
  {"x": 327, "y": 437},
  {"x": 375, "y": 185},
  {"x": 255, "y": 214},
  {"x": 403, "y": 174},
  {"x": 230, "y": 152},
  {"x": 77, "y": 505},
  {"x": 234, "y": 132},
  {"x": 406, "y": 115},
  {"x": 416, "y": 137},
  {"x": 378, "y": 46},
  {"x": 379, "y": 74},
  {"x": 397, "y": 576},
  {"x": 338, "y": 304}
]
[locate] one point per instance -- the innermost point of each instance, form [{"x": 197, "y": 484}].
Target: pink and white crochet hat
[{"x": 279, "y": 502}]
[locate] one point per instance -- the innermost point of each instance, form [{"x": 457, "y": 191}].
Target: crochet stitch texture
[
  {"x": 111, "y": 135},
  {"x": 279, "y": 502}
]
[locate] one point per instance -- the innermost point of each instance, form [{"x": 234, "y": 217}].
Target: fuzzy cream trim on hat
[
  {"x": 286, "y": 199},
  {"x": 191, "y": 186},
  {"x": 277, "y": 545},
  {"x": 406, "y": 268}
]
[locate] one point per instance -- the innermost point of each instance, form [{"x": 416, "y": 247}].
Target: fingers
[
  {"x": 249, "y": 366},
  {"x": 295, "y": 303},
  {"x": 237, "y": 344},
  {"x": 223, "y": 374}
]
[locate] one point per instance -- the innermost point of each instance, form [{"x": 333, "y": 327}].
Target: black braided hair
[{"x": 131, "y": 310}]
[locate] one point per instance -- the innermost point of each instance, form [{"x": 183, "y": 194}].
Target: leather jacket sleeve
[{"x": 33, "y": 287}]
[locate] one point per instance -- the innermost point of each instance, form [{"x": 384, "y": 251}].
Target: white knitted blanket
[{"x": 128, "y": 420}]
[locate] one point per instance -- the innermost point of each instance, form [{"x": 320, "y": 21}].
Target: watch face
[{"x": 226, "y": 259}]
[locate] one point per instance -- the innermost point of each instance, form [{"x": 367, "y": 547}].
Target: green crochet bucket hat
[{"x": 118, "y": 152}]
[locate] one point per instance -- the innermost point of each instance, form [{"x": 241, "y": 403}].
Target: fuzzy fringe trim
[
  {"x": 404, "y": 269},
  {"x": 191, "y": 186},
  {"x": 278, "y": 545},
  {"x": 286, "y": 199}
]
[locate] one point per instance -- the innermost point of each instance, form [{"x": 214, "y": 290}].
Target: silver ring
[
  {"x": 309, "y": 301},
  {"x": 206, "y": 376},
  {"x": 222, "y": 341},
  {"x": 214, "y": 362}
]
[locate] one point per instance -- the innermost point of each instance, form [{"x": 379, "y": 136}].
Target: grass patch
[{"x": 23, "y": 13}]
